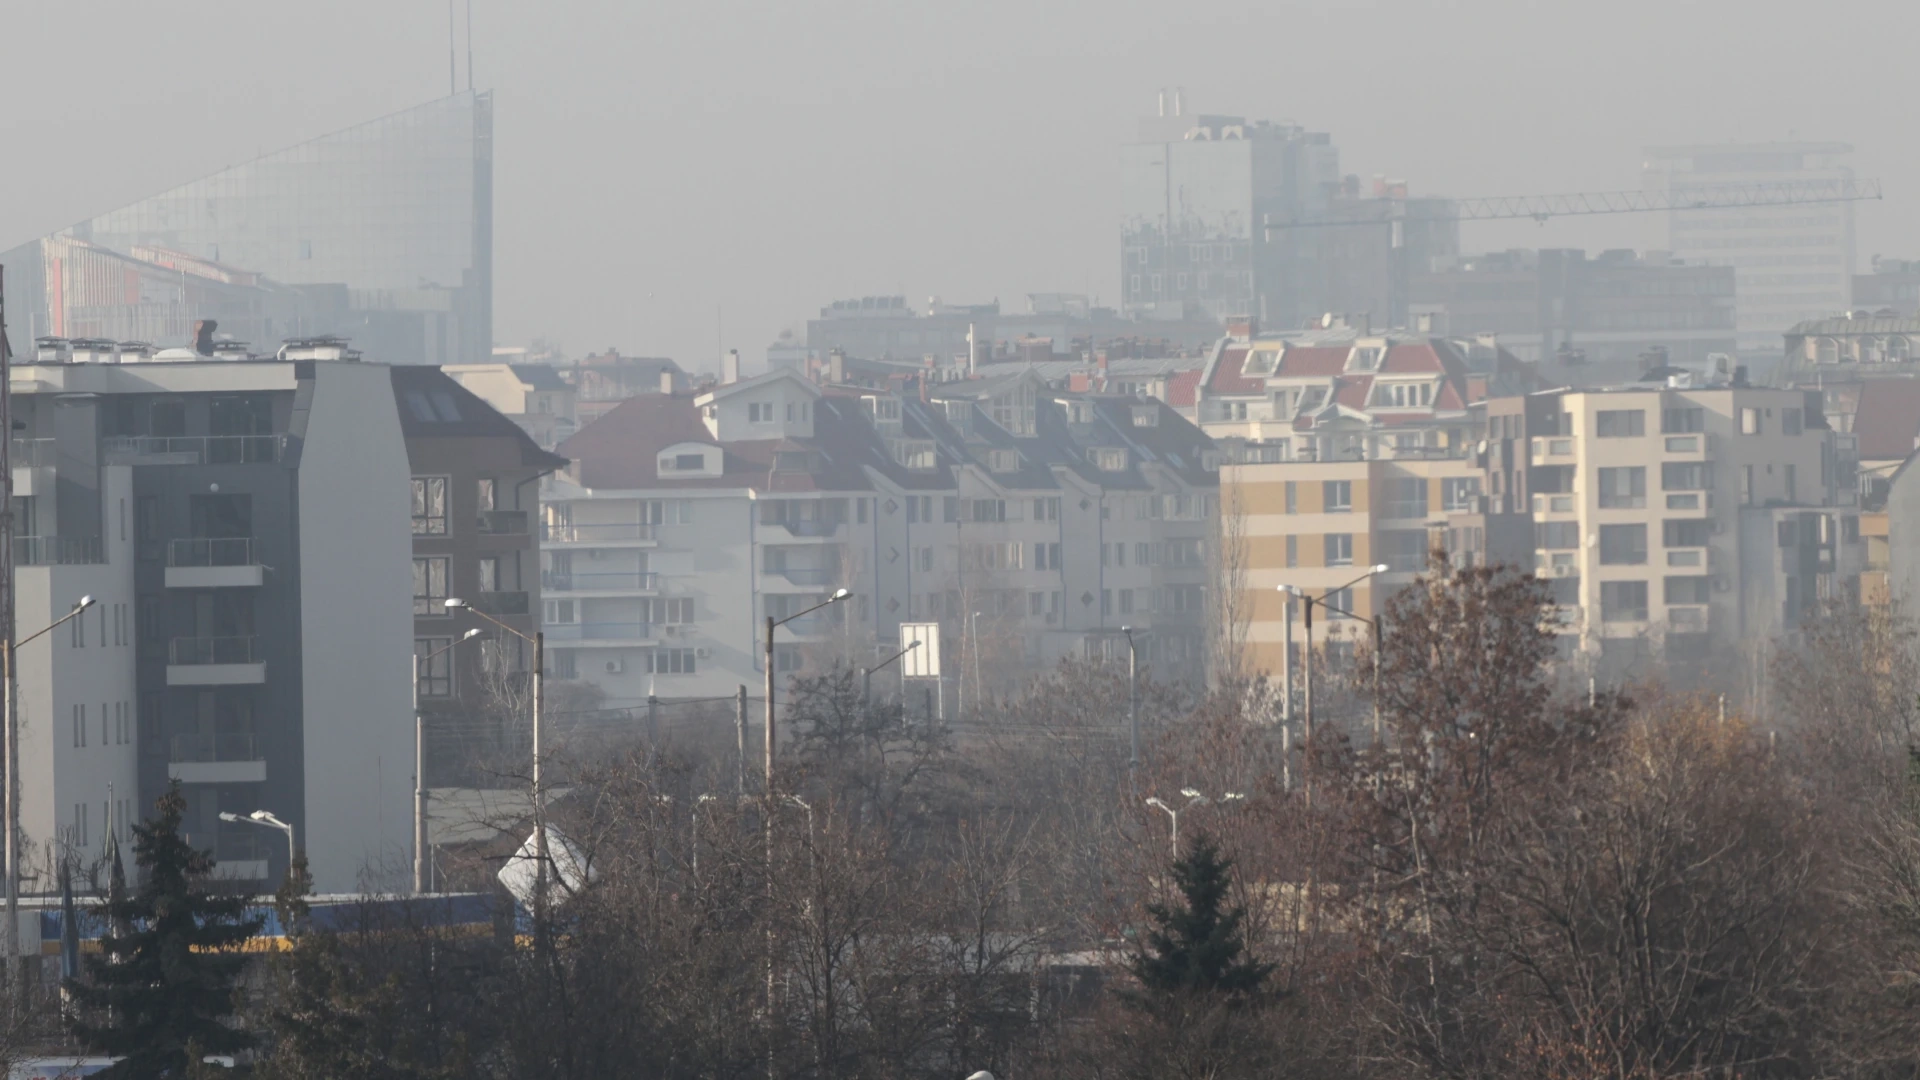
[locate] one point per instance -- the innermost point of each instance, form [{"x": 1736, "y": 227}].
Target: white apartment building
[
  {"x": 984, "y": 505},
  {"x": 1791, "y": 262}
]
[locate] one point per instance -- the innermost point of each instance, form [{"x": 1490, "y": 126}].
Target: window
[
  {"x": 1686, "y": 532},
  {"x": 1126, "y": 601},
  {"x": 1557, "y": 535},
  {"x": 1620, "y": 423},
  {"x": 1293, "y": 551},
  {"x": 1338, "y": 496},
  {"x": 1293, "y": 502},
  {"x": 1407, "y": 497},
  {"x": 429, "y": 506},
  {"x": 1623, "y": 601},
  {"x": 1459, "y": 493},
  {"x": 1791, "y": 421},
  {"x": 430, "y": 585},
  {"x": 1404, "y": 550},
  {"x": 1341, "y": 599},
  {"x": 675, "y": 610},
  {"x": 668, "y": 512},
  {"x": 1110, "y": 459},
  {"x": 485, "y": 489},
  {"x": 1623, "y": 488},
  {"x": 1686, "y": 476},
  {"x": 1792, "y": 478},
  {"x": 1687, "y": 590},
  {"x": 1623, "y": 545},
  {"x": 1682, "y": 421},
  {"x": 1046, "y": 556},
  {"x": 671, "y": 662},
  {"x": 435, "y": 676},
  {"x": 760, "y": 412},
  {"x": 1749, "y": 421},
  {"x": 1183, "y": 553},
  {"x": 1339, "y": 549},
  {"x": 79, "y": 725}
]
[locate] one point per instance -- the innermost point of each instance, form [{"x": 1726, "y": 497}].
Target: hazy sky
[{"x": 658, "y": 163}]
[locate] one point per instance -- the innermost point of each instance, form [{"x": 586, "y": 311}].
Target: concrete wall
[{"x": 356, "y": 629}]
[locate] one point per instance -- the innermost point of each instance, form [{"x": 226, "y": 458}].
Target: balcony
[
  {"x": 603, "y": 635},
  {"x": 811, "y": 529},
  {"x": 1691, "y": 619},
  {"x": 194, "y": 450},
  {"x": 213, "y": 563},
  {"x": 215, "y": 661},
  {"x": 219, "y": 758},
  {"x": 32, "y": 461},
  {"x": 600, "y": 581},
  {"x": 503, "y": 523},
  {"x": 806, "y": 576},
  {"x": 561, "y": 534},
  {"x": 58, "y": 551},
  {"x": 1688, "y": 556},
  {"x": 500, "y": 603}
]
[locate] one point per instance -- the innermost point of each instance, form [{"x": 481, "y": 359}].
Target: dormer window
[
  {"x": 1146, "y": 416},
  {"x": 1259, "y": 363},
  {"x": 1365, "y": 357},
  {"x": 1110, "y": 459},
  {"x": 915, "y": 454},
  {"x": 683, "y": 463},
  {"x": 1003, "y": 461},
  {"x": 1312, "y": 398}
]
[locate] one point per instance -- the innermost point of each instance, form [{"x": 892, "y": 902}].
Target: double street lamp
[
  {"x": 422, "y": 665},
  {"x": 9, "y": 705},
  {"x": 1310, "y": 601},
  {"x": 266, "y": 819},
  {"x": 1194, "y": 798}
]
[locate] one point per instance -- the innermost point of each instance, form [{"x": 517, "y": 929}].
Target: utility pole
[
  {"x": 740, "y": 733},
  {"x": 1133, "y": 706},
  {"x": 8, "y": 632},
  {"x": 653, "y": 719}
]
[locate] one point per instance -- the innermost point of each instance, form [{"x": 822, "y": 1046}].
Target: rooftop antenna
[
  {"x": 453, "y": 79},
  {"x": 469, "y": 46}
]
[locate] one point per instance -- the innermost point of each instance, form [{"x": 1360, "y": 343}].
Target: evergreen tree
[
  {"x": 170, "y": 958},
  {"x": 1197, "y": 946}
]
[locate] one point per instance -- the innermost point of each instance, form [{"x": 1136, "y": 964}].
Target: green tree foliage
[
  {"x": 1198, "y": 946},
  {"x": 166, "y": 976}
]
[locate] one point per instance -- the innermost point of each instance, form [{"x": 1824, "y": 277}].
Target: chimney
[
  {"x": 666, "y": 381},
  {"x": 1243, "y": 327},
  {"x": 1163, "y": 102},
  {"x": 972, "y": 351},
  {"x": 1179, "y": 92},
  {"x": 203, "y": 336},
  {"x": 730, "y": 367},
  {"x": 837, "y": 366}
]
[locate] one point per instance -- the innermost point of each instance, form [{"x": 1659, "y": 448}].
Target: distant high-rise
[
  {"x": 1196, "y": 193},
  {"x": 1791, "y": 262},
  {"x": 382, "y": 232}
]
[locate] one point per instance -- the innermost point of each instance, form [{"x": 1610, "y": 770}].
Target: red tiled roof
[
  {"x": 1449, "y": 397},
  {"x": 1314, "y": 360},
  {"x": 1353, "y": 391},
  {"x": 1183, "y": 389},
  {"x": 621, "y": 451},
  {"x": 1226, "y": 374},
  {"x": 1411, "y": 357},
  {"x": 1887, "y": 419}
]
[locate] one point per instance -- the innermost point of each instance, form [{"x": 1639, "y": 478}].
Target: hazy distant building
[
  {"x": 887, "y": 328},
  {"x": 382, "y": 232},
  {"x": 1790, "y": 262},
  {"x": 1196, "y": 193},
  {"x": 1561, "y": 308},
  {"x": 1891, "y": 284},
  {"x": 1386, "y": 238}
]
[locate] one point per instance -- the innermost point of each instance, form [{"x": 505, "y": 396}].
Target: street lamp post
[
  {"x": 1133, "y": 705},
  {"x": 538, "y": 639},
  {"x": 9, "y": 705},
  {"x": 1194, "y": 798},
  {"x": 866, "y": 676},
  {"x": 266, "y": 818},
  {"x": 1308, "y": 601},
  {"x": 422, "y": 664}
]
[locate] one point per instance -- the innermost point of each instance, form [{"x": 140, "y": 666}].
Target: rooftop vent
[
  {"x": 52, "y": 350},
  {"x": 317, "y": 348}
]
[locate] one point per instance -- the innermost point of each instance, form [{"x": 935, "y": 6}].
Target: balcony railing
[
  {"x": 503, "y": 522},
  {"x": 194, "y": 449},
  {"x": 799, "y": 575},
  {"x": 218, "y": 746},
  {"x": 501, "y": 603},
  {"x": 811, "y": 527},
  {"x": 29, "y": 453},
  {"x": 211, "y": 551},
  {"x": 636, "y": 631},
  {"x": 58, "y": 551},
  {"x": 1687, "y": 618},
  {"x": 562, "y": 533},
  {"x": 212, "y": 650},
  {"x": 569, "y": 581}
]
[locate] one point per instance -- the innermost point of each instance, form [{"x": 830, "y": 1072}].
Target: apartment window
[
  {"x": 1342, "y": 599},
  {"x": 1746, "y": 485},
  {"x": 1106, "y": 602},
  {"x": 1686, "y": 476},
  {"x": 671, "y": 662},
  {"x": 1183, "y": 553},
  {"x": 760, "y": 412},
  {"x": 1791, "y": 421},
  {"x": 668, "y": 512},
  {"x": 676, "y": 610},
  {"x": 434, "y": 677},
  {"x": 80, "y": 824},
  {"x": 1749, "y": 421},
  {"x": 79, "y": 725},
  {"x": 926, "y": 559},
  {"x": 1686, "y": 532},
  {"x": 1623, "y": 601},
  {"x": 430, "y": 506},
  {"x": 1339, "y": 549},
  {"x": 484, "y": 491},
  {"x": 1687, "y": 590},
  {"x": 950, "y": 508},
  {"x": 1110, "y": 459},
  {"x": 1623, "y": 488},
  {"x": 1046, "y": 556},
  {"x": 1623, "y": 545},
  {"x": 1683, "y": 421},
  {"x": 1404, "y": 550},
  {"x": 430, "y": 585},
  {"x": 1459, "y": 493},
  {"x": 1620, "y": 423},
  {"x": 1126, "y": 601},
  {"x": 1407, "y": 497},
  {"x": 1338, "y": 496},
  {"x": 1792, "y": 478},
  {"x": 1293, "y": 551},
  {"x": 1557, "y": 535},
  {"x": 1293, "y": 502}
]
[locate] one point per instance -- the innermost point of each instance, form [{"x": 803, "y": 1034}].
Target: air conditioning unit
[
  {"x": 1565, "y": 571},
  {"x": 616, "y": 667},
  {"x": 702, "y": 653}
]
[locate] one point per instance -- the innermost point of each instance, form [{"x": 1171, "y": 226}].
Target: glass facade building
[{"x": 382, "y": 232}]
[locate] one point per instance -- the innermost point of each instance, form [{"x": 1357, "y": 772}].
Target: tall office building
[
  {"x": 1790, "y": 262},
  {"x": 382, "y": 232},
  {"x": 1197, "y": 193}
]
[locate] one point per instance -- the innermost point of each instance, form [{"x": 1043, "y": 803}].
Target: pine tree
[
  {"x": 1197, "y": 947},
  {"x": 171, "y": 957}
]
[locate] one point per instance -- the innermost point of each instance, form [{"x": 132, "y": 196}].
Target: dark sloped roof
[
  {"x": 1888, "y": 419},
  {"x": 539, "y": 376},
  {"x": 621, "y": 451},
  {"x": 433, "y": 405}
]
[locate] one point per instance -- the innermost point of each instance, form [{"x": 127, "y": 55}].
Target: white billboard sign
[{"x": 923, "y": 659}]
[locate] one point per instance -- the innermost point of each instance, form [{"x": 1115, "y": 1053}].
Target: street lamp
[
  {"x": 9, "y": 703},
  {"x": 1375, "y": 622},
  {"x": 538, "y": 639},
  {"x": 1133, "y": 704},
  {"x": 1309, "y": 600},
  {"x": 1194, "y": 798},
  {"x": 866, "y": 677},
  {"x": 267, "y": 820},
  {"x": 421, "y": 665}
]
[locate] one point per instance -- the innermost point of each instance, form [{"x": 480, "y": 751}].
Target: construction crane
[{"x": 1397, "y": 210}]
